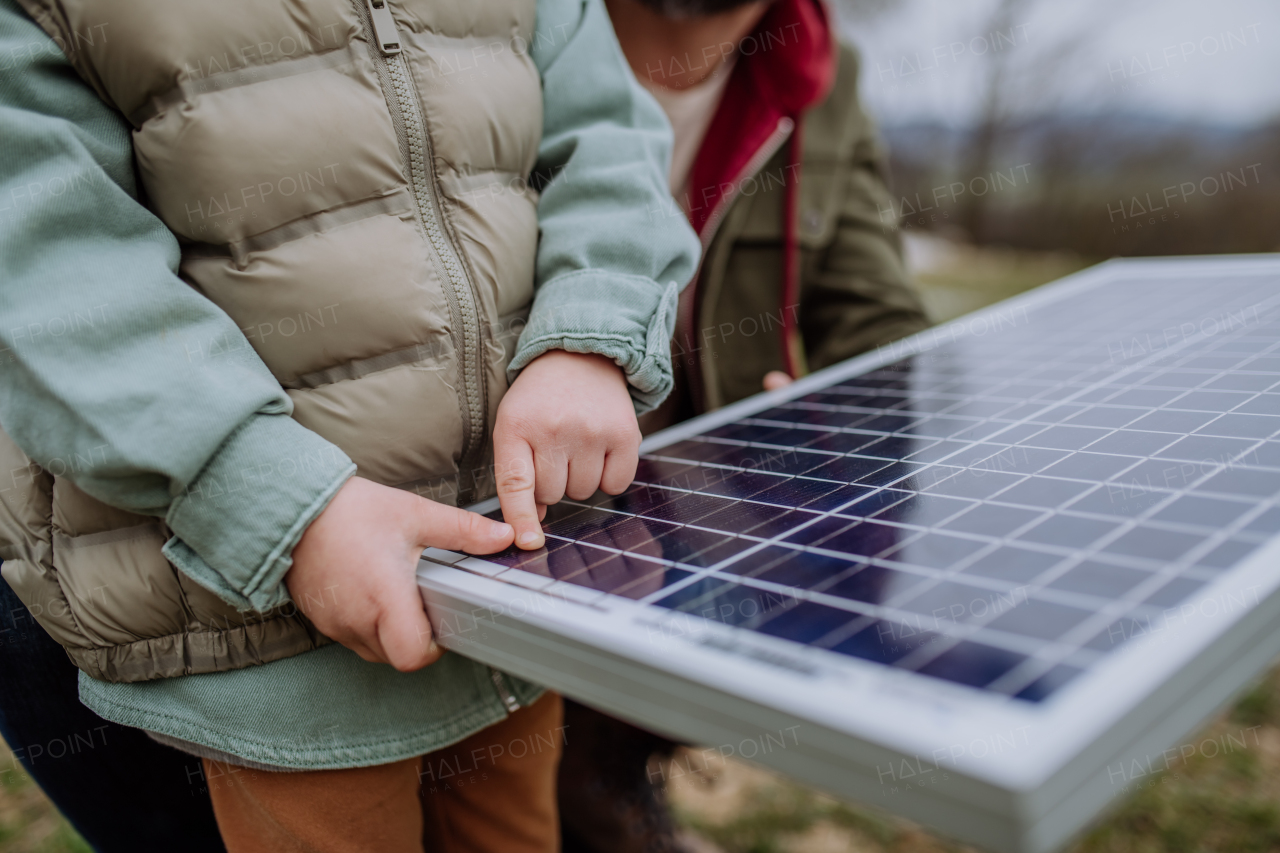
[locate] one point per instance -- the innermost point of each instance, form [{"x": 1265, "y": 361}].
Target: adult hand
[
  {"x": 775, "y": 379},
  {"x": 353, "y": 569},
  {"x": 566, "y": 426}
]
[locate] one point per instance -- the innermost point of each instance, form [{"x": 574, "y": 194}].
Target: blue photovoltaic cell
[
  {"x": 886, "y": 642},
  {"x": 806, "y": 570},
  {"x": 1000, "y": 512},
  {"x": 807, "y": 622},
  {"x": 874, "y": 585}
]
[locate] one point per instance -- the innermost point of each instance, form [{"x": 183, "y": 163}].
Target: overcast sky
[{"x": 1203, "y": 60}]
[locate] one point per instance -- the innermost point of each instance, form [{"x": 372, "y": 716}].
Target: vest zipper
[
  {"x": 411, "y": 131},
  {"x": 384, "y": 27},
  {"x": 504, "y": 693}
]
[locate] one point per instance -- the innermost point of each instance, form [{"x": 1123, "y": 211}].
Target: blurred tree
[{"x": 1106, "y": 175}]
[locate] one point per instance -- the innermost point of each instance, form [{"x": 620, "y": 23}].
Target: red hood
[{"x": 786, "y": 66}]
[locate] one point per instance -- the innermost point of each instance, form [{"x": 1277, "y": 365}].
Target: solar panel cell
[
  {"x": 821, "y": 530},
  {"x": 971, "y": 483},
  {"x": 1243, "y": 426},
  {"x": 1169, "y": 420},
  {"x": 1092, "y": 466},
  {"x": 1202, "y": 512},
  {"x": 885, "y": 642},
  {"x": 993, "y": 520},
  {"x": 843, "y": 442},
  {"x": 874, "y": 585},
  {"x": 972, "y": 664},
  {"x": 806, "y": 570},
  {"x": 801, "y": 492},
  {"x": 1120, "y": 500},
  {"x": 1202, "y": 448},
  {"x": 1244, "y": 481},
  {"x": 687, "y": 507},
  {"x": 627, "y": 576},
  {"x": 866, "y": 539},
  {"x": 1263, "y": 404},
  {"x": 1041, "y": 619},
  {"x": 1100, "y": 579},
  {"x": 1068, "y": 531},
  {"x": 935, "y": 550},
  {"x": 1174, "y": 592},
  {"x": 1152, "y": 543},
  {"x": 738, "y": 604},
  {"x": 743, "y": 484},
  {"x": 1267, "y": 523},
  {"x": 1135, "y": 442},
  {"x": 846, "y": 469},
  {"x": 1043, "y": 686},
  {"x": 1106, "y": 416},
  {"x": 806, "y": 623},
  {"x": 1227, "y": 554},
  {"x": 874, "y": 503},
  {"x": 1010, "y": 563},
  {"x": 1047, "y": 492},
  {"x": 582, "y": 523}
]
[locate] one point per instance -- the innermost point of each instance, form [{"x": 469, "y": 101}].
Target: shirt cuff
[
  {"x": 627, "y": 318},
  {"x": 236, "y": 526}
]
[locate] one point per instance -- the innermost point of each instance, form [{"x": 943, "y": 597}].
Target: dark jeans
[
  {"x": 121, "y": 790},
  {"x": 609, "y": 801}
]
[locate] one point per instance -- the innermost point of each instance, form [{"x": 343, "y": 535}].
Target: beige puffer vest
[{"x": 327, "y": 167}]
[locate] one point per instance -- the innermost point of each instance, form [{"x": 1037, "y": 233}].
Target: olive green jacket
[{"x": 854, "y": 290}]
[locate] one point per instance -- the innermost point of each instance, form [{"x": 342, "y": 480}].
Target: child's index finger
[{"x": 513, "y": 467}]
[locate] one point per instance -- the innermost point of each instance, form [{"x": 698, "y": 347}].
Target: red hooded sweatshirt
[{"x": 786, "y": 65}]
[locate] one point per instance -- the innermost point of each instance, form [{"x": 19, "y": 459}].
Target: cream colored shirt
[{"x": 690, "y": 112}]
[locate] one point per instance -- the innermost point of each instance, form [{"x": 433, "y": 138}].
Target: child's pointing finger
[{"x": 513, "y": 467}]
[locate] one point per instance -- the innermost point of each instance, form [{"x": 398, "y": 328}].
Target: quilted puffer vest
[{"x": 328, "y": 168}]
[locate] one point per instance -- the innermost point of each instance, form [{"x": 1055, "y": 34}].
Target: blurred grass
[
  {"x": 954, "y": 278},
  {"x": 28, "y": 821},
  {"x": 1226, "y": 803}
]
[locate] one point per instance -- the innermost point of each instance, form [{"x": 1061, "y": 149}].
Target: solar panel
[{"x": 1049, "y": 527}]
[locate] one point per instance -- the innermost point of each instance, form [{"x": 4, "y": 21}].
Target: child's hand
[
  {"x": 567, "y": 426},
  {"x": 353, "y": 570}
]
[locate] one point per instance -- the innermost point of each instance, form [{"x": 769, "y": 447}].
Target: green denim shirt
[{"x": 75, "y": 242}]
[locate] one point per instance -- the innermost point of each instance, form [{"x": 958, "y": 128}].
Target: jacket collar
[{"x": 784, "y": 67}]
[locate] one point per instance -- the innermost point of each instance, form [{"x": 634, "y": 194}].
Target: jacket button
[{"x": 813, "y": 222}]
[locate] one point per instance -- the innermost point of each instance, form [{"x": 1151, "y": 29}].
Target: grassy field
[
  {"x": 28, "y": 821},
  {"x": 954, "y": 279},
  {"x": 1223, "y": 803},
  {"x": 1228, "y": 803}
]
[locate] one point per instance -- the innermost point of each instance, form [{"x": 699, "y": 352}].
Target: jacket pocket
[{"x": 118, "y": 585}]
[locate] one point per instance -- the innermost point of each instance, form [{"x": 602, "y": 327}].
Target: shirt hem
[{"x": 359, "y": 754}]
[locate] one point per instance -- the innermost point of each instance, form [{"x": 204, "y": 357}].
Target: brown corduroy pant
[{"x": 494, "y": 791}]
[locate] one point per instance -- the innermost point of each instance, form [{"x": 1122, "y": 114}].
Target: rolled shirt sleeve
[
  {"x": 111, "y": 360},
  {"x": 615, "y": 250}
]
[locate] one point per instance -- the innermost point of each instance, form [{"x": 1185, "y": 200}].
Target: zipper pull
[
  {"x": 504, "y": 693},
  {"x": 384, "y": 26}
]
